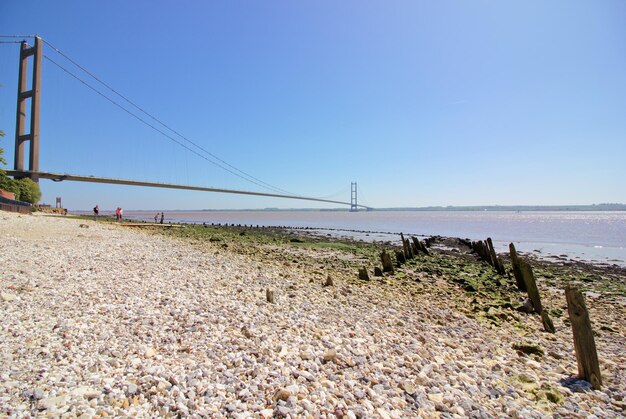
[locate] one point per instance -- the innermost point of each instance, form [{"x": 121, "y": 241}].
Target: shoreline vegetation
[{"x": 104, "y": 319}]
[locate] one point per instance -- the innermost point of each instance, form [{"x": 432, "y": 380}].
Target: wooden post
[
  {"x": 386, "y": 261},
  {"x": 548, "y": 326},
  {"x": 584, "y": 343},
  {"x": 519, "y": 279},
  {"x": 406, "y": 248},
  {"x": 363, "y": 274},
  {"x": 531, "y": 284},
  {"x": 421, "y": 246},
  {"x": 400, "y": 257},
  {"x": 269, "y": 295},
  {"x": 414, "y": 246},
  {"x": 409, "y": 249},
  {"x": 495, "y": 262},
  {"x": 480, "y": 248}
]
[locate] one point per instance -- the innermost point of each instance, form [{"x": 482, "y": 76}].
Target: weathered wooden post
[
  {"x": 363, "y": 275},
  {"x": 406, "y": 248},
  {"x": 584, "y": 343},
  {"x": 400, "y": 257},
  {"x": 386, "y": 261},
  {"x": 269, "y": 296},
  {"x": 533, "y": 293},
  {"x": 414, "y": 246},
  {"x": 517, "y": 273},
  {"x": 531, "y": 285},
  {"x": 495, "y": 261}
]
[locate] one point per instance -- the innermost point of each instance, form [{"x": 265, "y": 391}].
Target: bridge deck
[{"x": 58, "y": 177}]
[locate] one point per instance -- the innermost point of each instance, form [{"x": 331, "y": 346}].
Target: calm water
[{"x": 596, "y": 236}]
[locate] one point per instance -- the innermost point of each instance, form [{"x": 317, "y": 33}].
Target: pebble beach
[{"x": 100, "y": 320}]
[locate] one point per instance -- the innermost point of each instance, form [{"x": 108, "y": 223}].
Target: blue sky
[{"x": 421, "y": 103}]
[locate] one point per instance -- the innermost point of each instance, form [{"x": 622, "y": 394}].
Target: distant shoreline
[{"x": 511, "y": 208}]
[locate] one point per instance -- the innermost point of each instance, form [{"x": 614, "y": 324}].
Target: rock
[
  {"x": 6, "y": 297},
  {"x": 282, "y": 394},
  {"x": 51, "y": 402},
  {"x": 149, "y": 352},
  {"x": 408, "y": 387},
  {"x": 131, "y": 389},
  {"x": 383, "y": 413},
  {"x": 83, "y": 226},
  {"x": 246, "y": 332},
  {"x": 283, "y": 411},
  {"x": 527, "y": 307},
  {"x": 267, "y": 413},
  {"x": 86, "y": 392},
  {"x": 330, "y": 354},
  {"x": 436, "y": 397},
  {"x": 329, "y": 281},
  {"x": 528, "y": 348}
]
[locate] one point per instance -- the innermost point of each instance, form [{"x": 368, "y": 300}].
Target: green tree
[
  {"x": 5, "y": 181},
  {"x": 29, "y": 190},
  {"x": 24, "y": 189},
  {"x": 2, "y": 160}
]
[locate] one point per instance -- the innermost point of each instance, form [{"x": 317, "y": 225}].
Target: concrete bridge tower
[{"x": 23, "y": 94}]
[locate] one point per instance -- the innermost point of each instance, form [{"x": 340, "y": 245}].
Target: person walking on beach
[
  {"x": 117, "y": 214},
  {"x": 121, "y": 213},
  {"x": 162, "y": 217},
  {"x": 156, "y": 218},
  {"x": 96, "y": 210}
]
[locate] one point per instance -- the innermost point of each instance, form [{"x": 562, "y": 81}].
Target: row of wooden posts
[{"x": 584, "y": 343}]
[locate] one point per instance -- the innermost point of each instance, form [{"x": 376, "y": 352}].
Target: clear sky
[{"x": 421, "y": 103}]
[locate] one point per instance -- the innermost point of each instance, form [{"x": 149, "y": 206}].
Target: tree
[
  {"x": 29, "y": 190},
  {"x": 2, "y": 160},
  {"x": 24, "y": 189},
  {"x": 5, "y": 181}
]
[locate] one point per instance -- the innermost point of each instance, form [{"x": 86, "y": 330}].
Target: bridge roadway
[{"x": 58, "y": 177}]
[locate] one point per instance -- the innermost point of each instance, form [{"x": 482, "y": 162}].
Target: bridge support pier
[{"x": 23, "y": 95}]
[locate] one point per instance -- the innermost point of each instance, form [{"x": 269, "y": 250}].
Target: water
[{"x": 592, "y": 236}]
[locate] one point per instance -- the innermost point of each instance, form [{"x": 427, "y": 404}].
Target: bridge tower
[
  {"x": 21, "y": 137},
  {"x": 353, "y": 201}
]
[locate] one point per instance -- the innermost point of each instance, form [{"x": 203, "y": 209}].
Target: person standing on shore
[
  {"x": 162, "y": 217},
  {"x": 156, "y": 218},
  {"x": 121, "y": 214},
  {"x": 96, "y": 210}
]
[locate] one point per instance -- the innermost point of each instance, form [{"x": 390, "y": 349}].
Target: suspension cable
[
  {"x": 247, "y": 175},
  {"x": 148, "y": 123}
]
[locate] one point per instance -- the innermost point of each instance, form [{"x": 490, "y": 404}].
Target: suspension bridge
[{"x": 30, "y": 135}]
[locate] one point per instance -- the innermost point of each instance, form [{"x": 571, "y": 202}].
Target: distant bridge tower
[
  {"x": 23, "y": 93},
  {"x": 353, "y": 202}
]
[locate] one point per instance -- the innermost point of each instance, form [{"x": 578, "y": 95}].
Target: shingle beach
[{"x": 98, "y": 320}]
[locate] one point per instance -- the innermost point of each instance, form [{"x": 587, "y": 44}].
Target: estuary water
[{"x": 598, "y": 236}]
